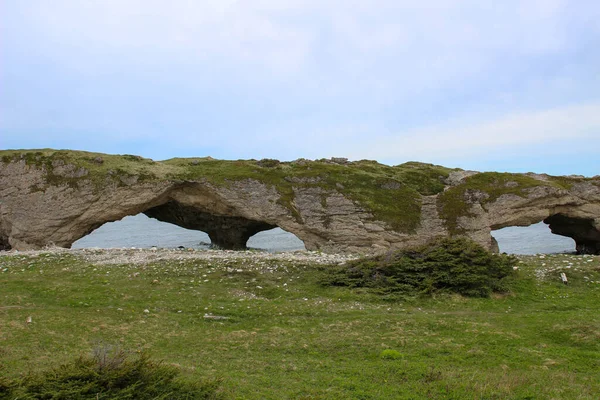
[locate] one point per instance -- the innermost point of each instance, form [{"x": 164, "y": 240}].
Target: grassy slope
[{"x": 292, "y": 339}]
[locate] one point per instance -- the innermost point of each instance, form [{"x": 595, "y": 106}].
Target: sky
[{"x": 483, "y": 85}]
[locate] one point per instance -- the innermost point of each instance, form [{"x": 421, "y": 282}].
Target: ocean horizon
[{"x": 140, "y": 231}]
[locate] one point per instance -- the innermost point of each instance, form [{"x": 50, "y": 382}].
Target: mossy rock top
[{"x": 391, "y": 193}]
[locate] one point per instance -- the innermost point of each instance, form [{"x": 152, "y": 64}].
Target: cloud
[
  {"x": 386, "y": 79},
  {"x": 448, "y": 141},
  {"x": 510, "y": 132},
  {"x": 288, "y": 37}
]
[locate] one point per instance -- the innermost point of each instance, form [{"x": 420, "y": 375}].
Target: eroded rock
[{"x": 56, "y": 197}]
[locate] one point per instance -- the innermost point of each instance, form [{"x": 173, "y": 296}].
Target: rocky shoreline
[{"x": 139, "y": 256}]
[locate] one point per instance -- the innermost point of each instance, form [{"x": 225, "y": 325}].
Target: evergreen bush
[
  {"x": 109, "y": 375},
  {"x": 456, "y": 265}
]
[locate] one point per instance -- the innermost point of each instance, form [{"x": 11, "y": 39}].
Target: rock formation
[{"x": 50, "y": 197}]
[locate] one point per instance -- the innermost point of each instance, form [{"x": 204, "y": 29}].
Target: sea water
[{"x": 142, "y": 232}]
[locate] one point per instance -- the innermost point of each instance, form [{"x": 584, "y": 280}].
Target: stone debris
[
  {"x": 146, "y": 256},
  {"x": 215, "y": 317},
  {"x": 139, "y": 256}
]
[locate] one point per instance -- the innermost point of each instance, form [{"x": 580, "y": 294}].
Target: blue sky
[{"x": 485, "y": 85}]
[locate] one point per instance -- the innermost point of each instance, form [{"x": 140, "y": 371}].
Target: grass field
[{"x": 271, "y": 331}]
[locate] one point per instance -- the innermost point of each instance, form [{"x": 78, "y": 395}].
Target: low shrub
[
  {"x": 268, "y": 163},
  {"x": 389, "y": 354},
  {"x": 111, "y": 374},
  {"x": 456, "y": 265}
]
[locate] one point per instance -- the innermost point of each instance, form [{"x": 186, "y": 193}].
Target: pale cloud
[
  {"x": 514, "y": 131},
  {"x": 447, "y": 142},
  {"x": 285, "y": 37},
  {"x": 385, "y": 79}
]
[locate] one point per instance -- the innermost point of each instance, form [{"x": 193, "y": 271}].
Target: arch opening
[
  {"x": 4, "y": 245},
  {"x": 533, "y": 239},
  {"x": 583, "y": 230},
  {"x": 226, "y": 232},
  {"x": 141, "y": 231},
  {"x": 173, "y": 224},
  {"x": 557, "y": 233},
  {"x": 276, "y": 240}
]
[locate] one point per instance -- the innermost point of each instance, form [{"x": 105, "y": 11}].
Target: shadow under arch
[{"x": 226, "y": 232}]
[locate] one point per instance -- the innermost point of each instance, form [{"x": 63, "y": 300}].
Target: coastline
[{"x": 116, "y": 256}]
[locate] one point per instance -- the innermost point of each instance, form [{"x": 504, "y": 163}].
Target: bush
[
  {"x": 109, "y": 375},
  {"x": 456, "y": 265},
  {"x": 268, "y": 163}
]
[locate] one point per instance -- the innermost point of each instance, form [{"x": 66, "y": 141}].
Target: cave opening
[
  {"x": 533, "y": 239},
  {"x": 275, "y": 240},
  {"x": 141, "y": 231},
  {"x": 557, "y": 233}
]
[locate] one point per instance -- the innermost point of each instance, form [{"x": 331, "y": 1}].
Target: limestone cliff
[{"x": 56, "y": 197}]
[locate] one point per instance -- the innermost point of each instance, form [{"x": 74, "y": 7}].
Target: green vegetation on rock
[
  {"x": 391, "y": 194},
  {"x": 487, "y": 187},
  {"x": 72, "y": 168}
]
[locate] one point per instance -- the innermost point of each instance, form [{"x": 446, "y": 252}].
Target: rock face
[{"x": 52, "y": 197}]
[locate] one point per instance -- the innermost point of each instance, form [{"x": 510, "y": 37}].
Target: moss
[
  {"x": 489, "y": 186},
  {"x": 362, "y": 182},
  {"x": 98, "y": 167},
  {"x": 562, "y": 182},
  {"x": 392, "y": 194},
  {"x": 427, "y": 179}
]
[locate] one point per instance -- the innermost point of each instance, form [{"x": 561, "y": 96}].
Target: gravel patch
[{"x": 147, "y": 256}]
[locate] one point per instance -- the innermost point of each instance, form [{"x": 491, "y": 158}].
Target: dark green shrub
[
  {"x": 268, "y": 163},
  {"x": 456, "y": 265},
  {"x": 109, "y": 375}
]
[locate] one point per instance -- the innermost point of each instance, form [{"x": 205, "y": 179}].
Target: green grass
[
  {"x": 275, "y": 333},
  {"x": 109, "y": 373}
]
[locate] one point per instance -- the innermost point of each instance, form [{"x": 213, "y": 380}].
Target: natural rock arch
[
  {"x": 574, "y": 213},
  {"x": 56, "y": 197},
  {"x": 532, "y": 239}
]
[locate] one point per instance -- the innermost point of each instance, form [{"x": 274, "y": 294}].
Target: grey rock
[{"x": 35, "y": 212}]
